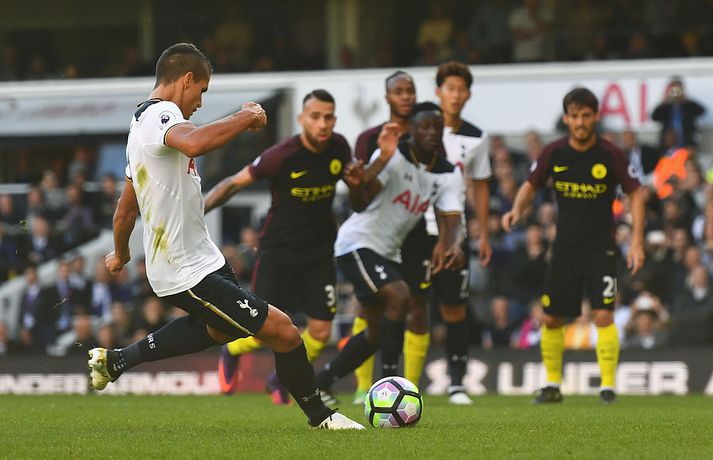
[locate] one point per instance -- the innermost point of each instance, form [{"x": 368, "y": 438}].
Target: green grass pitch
[{"x": 249, "y": 426}]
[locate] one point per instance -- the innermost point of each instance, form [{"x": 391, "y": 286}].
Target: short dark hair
[
  {"x": 319, "y": 94},
  {"x": 453, "y": 69},
  {"x": 397, "y": 74},
  {"x": 179, "y": 59},
  {"x": 424, "y": 107},
  {"x": 582, "y": 97}
]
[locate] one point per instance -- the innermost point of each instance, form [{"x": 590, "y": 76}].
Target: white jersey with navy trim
[
  {"x": 179, "y": 251},
  {"x": 409, "y": 189},
  {"x": 467, "y": 148}
]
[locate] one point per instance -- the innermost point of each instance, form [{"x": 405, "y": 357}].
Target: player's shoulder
[
  {"x": 609, "y": 147},
  {"x": 340, "y": 142},
  {"x": 370, "y": 133},
  {"x": 468, "y": 129},
  {"x": 555, "y": 145},
  {"x": 285, "y": 148}
]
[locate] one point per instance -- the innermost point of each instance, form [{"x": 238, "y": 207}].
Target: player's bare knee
[
  {"x": 219, "y": 337},
  {"x": 553, "y": 322},
  {"x": 453, "y": 313},
  {"x": 602, "y": 318},
  {"x": 417, "y": 320}
]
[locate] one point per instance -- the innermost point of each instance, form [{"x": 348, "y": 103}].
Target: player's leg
[
  {"x": 266, "y": 283},
  {"x": 372, "y": 277},
  {"x": 318, "y": 301},
  {"x": 602, "y": 286},
  {"x": 416, "y": 268},
  {"x": 296, "y": 373},
  {"x": 562, "y": 298},
  {"x": 365, "y": 372},
  {"x": 396, "y": 298},
  {"x": 451, "y": 289},
  {"x": 457, "y": 344}
]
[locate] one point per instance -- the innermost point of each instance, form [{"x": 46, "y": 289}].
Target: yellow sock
[
  {"x": 608, "y": 354},
  {"x": 244, "y": 345},
  {"x": 552, "y": 347},
  {"x": 314, "y": 347},
  {"x": 365, "y": 372},
  {"x": 415, "y": 351}
]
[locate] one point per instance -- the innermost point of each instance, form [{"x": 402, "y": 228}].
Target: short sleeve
[
  {"x": 540, "y": 169},
  {"x": 452, "y": 197},
  {"x": 624, "y": 171},
  {"x": 167, "y": 116},
  {"x": 127, "y": 170},
  {"x": 478, "y": 167}
]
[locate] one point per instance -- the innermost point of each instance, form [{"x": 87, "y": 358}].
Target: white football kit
[
  {"x": 179, "y": 251},
  {"x": 467, "y": 148},
  {"x": 409, "y": 189}
]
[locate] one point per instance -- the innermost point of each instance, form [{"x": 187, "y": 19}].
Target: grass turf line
[{"x": 249, "y": 426}]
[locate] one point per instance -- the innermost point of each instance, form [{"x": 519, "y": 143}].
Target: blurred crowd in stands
[{"x": 276, "y": 35}]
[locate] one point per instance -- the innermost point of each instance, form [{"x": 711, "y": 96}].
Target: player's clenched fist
[{"x": 260, "y": 117}]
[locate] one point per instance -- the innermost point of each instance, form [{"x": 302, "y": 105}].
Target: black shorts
[
  {"x": 368, "y": 272},
  {"x": 223, "y": 304},
  {"x": 451, "y": 286},
  {"x": 309, "y": 289},
  {"x": 416, "y": 254},
  {"x": 570, "y": 275}
]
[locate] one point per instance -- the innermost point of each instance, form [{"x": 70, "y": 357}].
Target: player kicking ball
[
  {"x": 183, "y": 265},
  {"x": 585, "y": 171}
]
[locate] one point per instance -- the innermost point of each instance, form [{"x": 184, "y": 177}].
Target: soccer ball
[{"x": 393, "y": 402}]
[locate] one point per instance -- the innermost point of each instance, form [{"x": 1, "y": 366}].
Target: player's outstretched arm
[
  {"x": 635, "y": 257},
  {"x": 195, "y": 141},
  {"x": 447, "y": 253},
  {"x": 228, "y": 187},
  {"x": 523, "y": 200},
  {"x": 127, "y": 209}
]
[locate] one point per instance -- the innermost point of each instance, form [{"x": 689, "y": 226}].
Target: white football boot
[{"x": 337, "y": 421}]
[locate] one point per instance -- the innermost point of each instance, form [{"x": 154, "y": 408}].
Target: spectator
[
  {"x": 35, "y": 203},
  {"x": 9, "y": 262},
  {"x": 646, "y": 328},
  {"x": 436, "y": 32},
  {"x": 105, "y": 337},
  {"x": 679, "y": 114},
  {"x": 638, "y": 47},
  {"x": 692, "y": 316},
  {"x": 55, "y": 198},
  {"x": 530, "y": 333},
  {"x": 499, "y": 332},
  {"x": 154, "y": 316},
  {"x": 40, "y": 245},
  {"x": 106, "y": 202},
  {"x": 9, "y": 214},
  {"x": 36, "y": 326},
  {"x": 78, "y": 222},
  {"x": 9, "y": 69},
  {"x": 642, "y": 157},
  {"x": 528, "y": 267},
  {"x": 79, "y": 339},
  {"x": 81, "y": 164},
  {"x": 101, "y": 300},
  {"x": 529, "y": 25},
  {"x": 122, "y": 325},
  {"x": 489, "y": 31}
]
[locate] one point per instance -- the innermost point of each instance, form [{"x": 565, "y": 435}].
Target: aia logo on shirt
[
  {"x": 192, "y": 167},
  {"x": 413, "y": 204}
]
